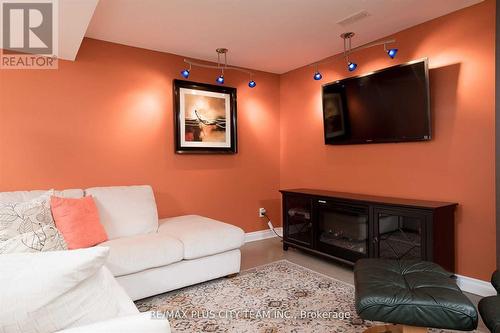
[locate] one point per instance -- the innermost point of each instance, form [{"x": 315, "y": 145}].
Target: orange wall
[
  {"x": 107, "y": 119},
  {"x": 457, "y": 165}
]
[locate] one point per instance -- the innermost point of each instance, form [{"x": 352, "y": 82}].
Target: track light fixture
[
  {"x": 221, "y": 65},
  {"x": 185, "y": 73},
  {"x": 220, "y": 79},
  {"x": 317, "y": 75},
  {"x": 348, "y": 50},
  {"x": 221, "y": 51},
  {"x": 351, "y": 66},
  {"x": 391, "y": 52}
]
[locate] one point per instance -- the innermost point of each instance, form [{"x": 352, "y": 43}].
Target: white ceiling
[
  {"x": 269, "y": 35},
  {"x": 74, "y": 17}
]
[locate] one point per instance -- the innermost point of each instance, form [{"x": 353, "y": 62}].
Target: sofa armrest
[
  {"x": 495, "y": 280},
  {"x": 140, "y": 323}
]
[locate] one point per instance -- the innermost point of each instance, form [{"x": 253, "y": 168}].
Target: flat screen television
[{"x": 389, "y": 105}]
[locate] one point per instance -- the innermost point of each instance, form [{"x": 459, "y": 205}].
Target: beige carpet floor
[{"x": 277, "y": 297}]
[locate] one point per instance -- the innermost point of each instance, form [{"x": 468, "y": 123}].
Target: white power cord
[{"x": 270, "y": 224}]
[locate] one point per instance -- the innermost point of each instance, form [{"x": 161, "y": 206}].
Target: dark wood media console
[{"x": 347, "y": 226}]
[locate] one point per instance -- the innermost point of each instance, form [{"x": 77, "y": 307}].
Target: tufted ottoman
[{"x": 414, "y": 294}]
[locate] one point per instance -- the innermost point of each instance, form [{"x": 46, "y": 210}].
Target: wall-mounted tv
[{"x": 389, "y": 105}]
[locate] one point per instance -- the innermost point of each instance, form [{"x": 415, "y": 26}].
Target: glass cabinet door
[
  {"x": 342, "y": 229},
  {"x": 399, "y": 234},
  {"x": 299, "y": 220}
]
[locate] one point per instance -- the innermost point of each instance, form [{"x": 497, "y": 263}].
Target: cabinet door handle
[
  {"x": 322, "y": 201},
  {"x": 375, "y": 239}
]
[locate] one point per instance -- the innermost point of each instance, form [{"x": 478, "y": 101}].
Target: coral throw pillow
[{"x": 78, "y": 221}]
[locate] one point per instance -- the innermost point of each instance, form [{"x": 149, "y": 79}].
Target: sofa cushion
[
  {"x": 126, "y": 210},
  {"x": 202, "y": 236},
  {"x": 50, "y": 291},
  {"x": 22, "y": 196},
  {"x": 137, "y": 253}
]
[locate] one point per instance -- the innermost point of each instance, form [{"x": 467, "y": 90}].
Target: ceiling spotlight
[
  {"x": 185, "y": 73},
  {"x": 221, "y": 51},
  {"x": 221, "y": 67},
  {"x": 392, "y": 53},
  {"x": 348, "y": 49},
  {"x": 346, "y": 36},
  {"x": 317, "y": 75},
  {"x": 351, "y": 66}
]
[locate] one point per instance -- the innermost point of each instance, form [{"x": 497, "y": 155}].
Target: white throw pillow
[
  {"x": 29, "y": 226},
  {"x": 21, "y": 196},
  {"x": 126, "y": 210},
  {"x": 51, "y": 291},
  {"x": 46, "y": 238}
]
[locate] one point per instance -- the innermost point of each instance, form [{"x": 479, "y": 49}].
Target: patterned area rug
[{"x": 278, "y": 297}]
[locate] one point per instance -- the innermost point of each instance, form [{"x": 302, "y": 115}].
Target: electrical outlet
[{"x": 262, "y": 212}]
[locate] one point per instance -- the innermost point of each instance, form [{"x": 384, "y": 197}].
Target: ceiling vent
[{"x": 353, "y": 18}]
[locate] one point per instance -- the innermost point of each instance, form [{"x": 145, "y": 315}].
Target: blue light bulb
[
  {"x": 317, "y": 76},
  {"x": 220, "y": 79},
  {"x": 351, "y": 66},
  {"x": 185, "y": 73},
  {"x": 252, "y": 84},
  {"x": 392, "y": 53}
]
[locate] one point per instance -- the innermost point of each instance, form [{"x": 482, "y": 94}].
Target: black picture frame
[{"x": 183, "y": 88}]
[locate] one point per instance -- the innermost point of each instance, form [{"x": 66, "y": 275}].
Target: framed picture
[{"x": 205, "y": 118}]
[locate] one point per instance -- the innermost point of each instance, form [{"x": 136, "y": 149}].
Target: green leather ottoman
[{"x": 413, "y": 293}]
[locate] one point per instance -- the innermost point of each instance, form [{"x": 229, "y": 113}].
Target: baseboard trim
[
  {"x": 262, "y": 234},
  {"x": 468, "y": 284},
  {"x": 475, "y": 286}
]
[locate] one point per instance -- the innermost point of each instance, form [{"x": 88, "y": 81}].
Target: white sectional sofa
[
  {"x": 148, "y": 256},
  {"x": 185, "y": 250},
  {"x": 67, "y": 292}
]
